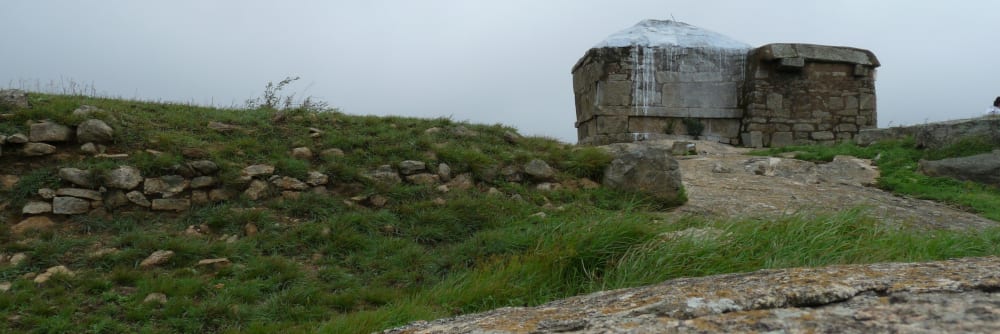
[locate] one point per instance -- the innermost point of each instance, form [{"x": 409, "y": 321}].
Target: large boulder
[
  {"x": 13, "y": 98},
  {"x": 981, "y": 168},
  {"x": 49, "y": 132},
  {"x": 645, "y": 168},
  {"x": 954, "y": 296},
  {"x": 94, "y": 130}
]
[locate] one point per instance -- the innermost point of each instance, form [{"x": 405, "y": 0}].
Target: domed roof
[{"x": 667, "y": 33}]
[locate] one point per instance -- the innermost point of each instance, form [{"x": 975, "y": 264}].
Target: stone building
[{"x": 667, "y": 79}]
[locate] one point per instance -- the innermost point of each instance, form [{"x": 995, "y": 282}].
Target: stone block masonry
[{"x": 693, "y": 86}]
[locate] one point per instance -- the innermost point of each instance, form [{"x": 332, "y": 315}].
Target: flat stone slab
[{"x": 944, "y": 296}]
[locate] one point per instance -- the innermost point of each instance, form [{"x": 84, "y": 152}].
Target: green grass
[
  {"x": 320, "y": 264},
  {"x": 898, "y": 163}
]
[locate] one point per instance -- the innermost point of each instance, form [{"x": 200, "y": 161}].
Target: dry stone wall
[{"x": 806, "y": 94}]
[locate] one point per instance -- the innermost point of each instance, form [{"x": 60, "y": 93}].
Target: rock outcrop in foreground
[{"x": 946, "y": 296}]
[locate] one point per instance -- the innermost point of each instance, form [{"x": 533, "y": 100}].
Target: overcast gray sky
[{"x": 483, "y": 61}]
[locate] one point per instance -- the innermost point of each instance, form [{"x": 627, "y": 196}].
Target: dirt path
[{"x": 723, "y": 182}]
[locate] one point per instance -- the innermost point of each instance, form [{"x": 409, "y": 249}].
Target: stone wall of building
[
  {"x": 641, "y": 93},
  {"x": 805, "y": 94}
]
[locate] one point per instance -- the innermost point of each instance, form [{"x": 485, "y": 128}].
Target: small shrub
[{"x": 693, "y": 126}]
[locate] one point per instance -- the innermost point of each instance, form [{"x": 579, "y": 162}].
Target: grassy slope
[{"x": 320, "y": 265}]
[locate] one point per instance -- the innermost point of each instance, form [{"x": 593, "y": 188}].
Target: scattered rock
[
  {"x": 17, "y": 138},
  {"x": 289, "y": 183},
  {"x": 512, "y": 174},
  {"x": 17, "y": 259},
  {"x": 5, "y": 286},
  {"x": 461, "y": 182},
  {"x": 315, "y": 133},
  {"x": 423, "y": 178},
  {"x": 194, "y": 153},
  {"x": 511, "y": 137},
  {"x": 36, "y": 223},
  {"x": 644, "y": 168},
  {"x": 52, "y": 271},
  {"x": 384, "y": 174},
  {"x": 166, "y": 186},
  {"x": 539, "y": 215},
  {"x": 86, "y": 111},
  {"x": 155, "y": 297},
  {"x": 123, "y": 177},
  {"x": 204, "y": 167},
  {"x": 89, "y": 148},
  {"x": 219, "y": 195},
  {"x": 7, "y": 182},
  {"x": 539, "y": 170},
  {"x": 442, "y": 188},
  {"x": 171, "y": 204},
  {"x": 980, "y": 168},
  {"x": 432, "y": 130},
  {"x": 92, "y": 195},
  {"x": 257, "y": 170},
  {"x": 250, "y": 229},
  {"x": 157, "y": 258},
  {"x": 439, "y": 201},
  {"x": 588, "y": 184},
  {"x": 444, "y": 172},
  {"x": 317, "y": 179},
  {"x": 257, "y": 190},
  {"x": 302, "y": 153},
  {"x": 38, "y": 149},
  {"x": 94, "y": 130},
  {"x": 203, "y": 182},
  {"x": 102, "y": 252},
  {"x": 410, "y": 167},
  {"x": 682, "y": 148},
  {"x": 463, "y": 131},
  {"x": 547, "y": 186},
  {"x": 493, "y": 191},
  {"x": 331, "y": 154},
  {"x": 223, "y": 127},
  {"x": 83, "y": 178},
  {"x": 46, "y": 193},
  {"x": 36, "y": 208},
  {"x": 14, "y": 98},
  {"x": 215, "y": 263},
  {"x": 47, "y": 131},
  {"x": 69, "y": 205},
  {"x": 138, "y": 198},
  {"x": 718, "y": 167},
  {"x": 378, "y": 201}
]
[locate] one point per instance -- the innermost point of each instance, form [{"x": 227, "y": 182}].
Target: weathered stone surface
[
  {"x": 52, "y": 271},
  {"x": 155, "y": 297},
  {"x": 46, "y": 193},
  {"x": 444, "y": 172},
  {"x": 257, "y": 170},
  {"x": 257, "y": 190},
  {"x": 69, "y": 205},
  {"x": 219, "y": 195},
  {"x": 49, "y": 132},
  {"x": 384, "y": 174},
  {"x": 317, "y": 179},
  {"x": 289, "y": 183},
  {"x": 92, "y": 195},
  {"x": 94, "y": 130},
  {"x": 89, "y": 148},
  {"x": 539, "y": 170},
  {"x": 935, "y": 297},
  {"x": 682, "y": 148},
  {"x": 302, "y": 153},
  {"x": 38, "y": 149},
  {"x": 83, "y": 178},
  {"x": 157, "y": 258},
  {"x": 204, "y": 167},
  {"x": 410, "y": 167},
  {"x": 423, "y": 178},
  {"x": 123, "y": 177},
  {"x": 13, "y": 98},
  {"x": 138, "y": 198},
  {"x": 215, "y": 263},
  {"x": 86, "y": 111},
  {"x": 36, "y": 207},
  {"x": 981, "y": 168},
  {"x": 171, "y": 204},
  {"x": 512, "y": 174},
  {"x": 36, "y": 223},
  {"x": 166, "y": 186},
  {"x": 203, "y": 182},
  {"x": 461, "y": 182},
  {"x": 644, "y": 168},
  {"x": 115, "y": 199},
  {"x": 7, "y": 181},
  {"x": 17, "y": 138}
]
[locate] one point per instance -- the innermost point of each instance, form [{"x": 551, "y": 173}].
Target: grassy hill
[{"x": 338, "y": 261}]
